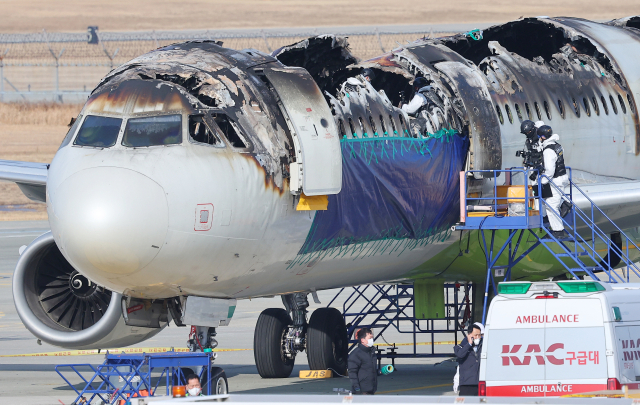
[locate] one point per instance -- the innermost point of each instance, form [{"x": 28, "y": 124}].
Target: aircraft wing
[{"x": 29, "y": 176}]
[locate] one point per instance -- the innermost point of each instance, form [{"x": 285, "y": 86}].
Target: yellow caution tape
[
  {"x": 129, "y": 350},
  {"x": 113, "y": 351}
]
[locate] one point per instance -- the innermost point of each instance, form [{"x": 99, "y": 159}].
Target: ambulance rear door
[
  {"x": 575, "y": 351},
  {"x": 627, "y": 342}
]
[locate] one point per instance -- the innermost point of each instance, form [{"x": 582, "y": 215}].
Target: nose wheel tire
[
  {"x": 219, "y": 384},
  {"x": 327, "y": 341},
  {"x": 268, "y": 344}
]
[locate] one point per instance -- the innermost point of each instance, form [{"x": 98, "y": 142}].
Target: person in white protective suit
[
  {"x": 456, "y": 378},
  {"x": 554, "y": 169}
]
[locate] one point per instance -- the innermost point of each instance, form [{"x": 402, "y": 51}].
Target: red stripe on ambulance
[{"x": 542, "y": 390}]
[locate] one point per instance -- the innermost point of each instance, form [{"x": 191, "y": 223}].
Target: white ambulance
[{"x": 561, "y": 338}]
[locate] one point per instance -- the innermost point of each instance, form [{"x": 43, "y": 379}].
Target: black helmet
[
  {"x": 370, "y": 73},
  {"x": 419, "y": 83},
  {"x": 545, "y": 131},
  {"x": 528, "y": 128}
]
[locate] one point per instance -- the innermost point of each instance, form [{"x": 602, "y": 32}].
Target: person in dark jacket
[
  {"x": 468, "y": 356},
  {"x": 363, "y": 370}
]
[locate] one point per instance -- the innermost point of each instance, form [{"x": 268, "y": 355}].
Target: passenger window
[
  {"x": 622, "y": 106},
  {"x": 604, "y": 105},
  {"x": 561, "y": 108},
  {"x": 363, "y": 128},
  {"x": 101, "y": 132},
  {"x": 613, "y": 104},
  {"x": 383, "y": 127},
  {"x": 519, "y": 112},
  {"x": 500, "y": 117},
  {"x": 343, "y": 133},
  {"x": 576, "y": 107},
  {"x": 585, "y": 102},
  {"x": 201, "y": 133},
  {"x": 373, "y": 126},
  {"x": 508, "y": 110},
  {"x": 546, "y": 109},
  {"x": 631, "y": 105},
  {"x": 153, "y": 131},
  {"x": 352, "y": 128},
  {"x": 535, "y": 104},
  {"x": 393, "y": 126},
  {"x": 526, "y": 107},
  {"x": 596, "y": 108},
  {"x": 229, "y": 131}
]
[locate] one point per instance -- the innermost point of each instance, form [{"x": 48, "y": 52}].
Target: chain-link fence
[{"x": 65, "y": 67}]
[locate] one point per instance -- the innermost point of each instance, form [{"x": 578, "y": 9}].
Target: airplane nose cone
[{"x": 109, "y": 220}]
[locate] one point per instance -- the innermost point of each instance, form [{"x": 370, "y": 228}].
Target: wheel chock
[{"x": 315, "y": 374}]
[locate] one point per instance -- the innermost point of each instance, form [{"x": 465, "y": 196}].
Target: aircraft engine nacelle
[{"x": 62, "y": 307}]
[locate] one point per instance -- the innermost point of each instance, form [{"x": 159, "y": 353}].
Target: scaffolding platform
[
  {"x": 387, "y": 307},
  {"x": 517, "y": 209},
  {"x": 124, "y": 376}
]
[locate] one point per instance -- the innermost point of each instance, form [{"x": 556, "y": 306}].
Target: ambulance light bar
[
  {"x": 513, "y": 288},
  {"x": 581, "y": 287}
]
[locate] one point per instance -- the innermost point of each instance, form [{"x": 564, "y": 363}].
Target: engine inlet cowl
[{"x": 64, "y": 308}]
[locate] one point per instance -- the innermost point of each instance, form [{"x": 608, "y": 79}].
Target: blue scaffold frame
[
  {"x": 578, "y": 246},
  {"x": 139, "y": 365}
]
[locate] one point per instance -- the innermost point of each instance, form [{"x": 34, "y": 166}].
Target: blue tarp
[{"x": 392, "y": 188}]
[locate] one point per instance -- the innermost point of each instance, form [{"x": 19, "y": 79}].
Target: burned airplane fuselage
[{"x": 190, "y": 167}]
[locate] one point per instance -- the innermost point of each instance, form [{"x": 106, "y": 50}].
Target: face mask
[
  {"x": 194, "y": 391},
  {"x": 476, "y": 342},
  {"x": 370, "y": 342}
]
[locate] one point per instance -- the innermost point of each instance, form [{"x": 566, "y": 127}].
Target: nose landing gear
[{"x": 280, "y": 336}]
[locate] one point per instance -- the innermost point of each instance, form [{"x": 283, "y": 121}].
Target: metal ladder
[{"x": 577, "y": 252}]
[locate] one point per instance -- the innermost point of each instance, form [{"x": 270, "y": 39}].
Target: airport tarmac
[{"x": 33, "y": 380}]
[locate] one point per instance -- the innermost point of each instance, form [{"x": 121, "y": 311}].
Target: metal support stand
[{"x": 392, "y": 307}]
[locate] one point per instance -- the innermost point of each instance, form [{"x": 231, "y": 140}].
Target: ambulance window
[
  {"x": 153, "y": 131},
  {"x": 101, "y": 132},
  {"x": 200, "y": 132},
  {"x": 229, "y": 131}
]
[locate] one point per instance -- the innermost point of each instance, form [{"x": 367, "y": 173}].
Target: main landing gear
[{"x": 280, "y": 334}]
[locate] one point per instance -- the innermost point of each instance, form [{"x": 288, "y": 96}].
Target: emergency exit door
[{"x": 315, "y": 135}]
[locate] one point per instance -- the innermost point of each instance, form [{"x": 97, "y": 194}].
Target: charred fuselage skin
[{"x": 130, "y": 219}]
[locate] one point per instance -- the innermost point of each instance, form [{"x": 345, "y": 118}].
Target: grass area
[{"x": 31, "y": 133}]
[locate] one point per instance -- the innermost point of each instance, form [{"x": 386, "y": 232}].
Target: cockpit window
[
  {"x": 153, "y": 131},
  {"x": 200, "y": 132},
  {"x": 101, "y": 132},
  {"x": 229, "y": 131}
]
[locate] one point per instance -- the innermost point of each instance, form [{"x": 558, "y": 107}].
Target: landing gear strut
[{"x": 280, "y": 336}]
